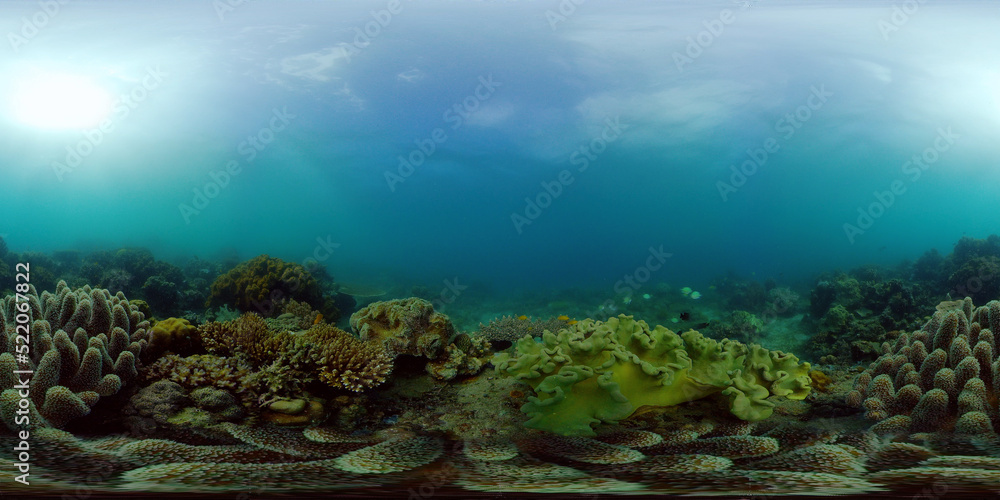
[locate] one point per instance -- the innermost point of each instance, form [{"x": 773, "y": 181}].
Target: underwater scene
[{"x": 500, "y": 249}]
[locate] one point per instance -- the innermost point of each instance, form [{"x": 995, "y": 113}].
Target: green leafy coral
[{"x": 594, "y": 372}]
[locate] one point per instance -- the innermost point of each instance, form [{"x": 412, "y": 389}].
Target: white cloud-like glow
[{"x": 52, "y": 100}]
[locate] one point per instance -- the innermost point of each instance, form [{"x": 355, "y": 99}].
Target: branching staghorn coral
[
  {"x": 84, "y": 344},
  {"x": 247, "y": 335},
  {"x": 284, "y": 362}
]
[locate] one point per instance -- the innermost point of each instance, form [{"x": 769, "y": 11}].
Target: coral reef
[
  {"x": 84, "y": 344},
  {"x": 782, "y": 301},
  {"x": 594, "y": 372},
  {"x": 943, "y": 377},
  {"x": 510, "y": 329},
  {"x": 334, "y": 357},
  {"x": 134, "y": 272},
  {"x": 176, "y": 335},
  {"x": 284, "y": 363},
  {"x": 206, "y": 370},
  {"x": 850, "y": 311},
  {"x": 465, "y": 356},
  {"x": 248, "y": 335},
  {"x": 973, "y": 268},
  {"x": 404, "y": 326},
  {"x": 304, "y": 315},
  {"x": 412, "y": 327},
  {"x": 741, "y": 326},
  {"x": 263, "y": 282}
]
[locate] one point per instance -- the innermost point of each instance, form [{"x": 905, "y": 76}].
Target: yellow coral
[
  {"x": 173, "y": 334},
  {"x": 597, "y": 371}
]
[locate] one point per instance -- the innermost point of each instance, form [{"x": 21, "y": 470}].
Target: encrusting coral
[
  {"x": 943, "y": 377},
  {"x": 412, "y": 327},
  {"x": 84, "y": 344},
  {"x": 594, "y": 372},
  {"x": 509, "y": 328},
  {"x": 404, "y": 326}
]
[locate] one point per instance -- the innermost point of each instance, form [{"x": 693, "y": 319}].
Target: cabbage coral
[{"x": 594, "y": 372}]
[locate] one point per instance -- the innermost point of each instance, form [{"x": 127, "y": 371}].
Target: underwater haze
[
  {"x": 482, "y": 249},
  {"x": 525, "y": 145}
]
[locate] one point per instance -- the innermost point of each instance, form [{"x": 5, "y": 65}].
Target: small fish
[
  {"x": 571, "y": 322},
  {"x": 522, "y": 317},
  {"x": 686, "y": 290},
  {"x": 695, "y": 295},
  {"x": 646, "y": 296},
  {"x": 563, "y": 318},
  {"x": 685, "y": 316}
]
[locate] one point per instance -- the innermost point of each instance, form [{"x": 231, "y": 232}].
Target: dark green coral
[{"x": 262, "y": 283}]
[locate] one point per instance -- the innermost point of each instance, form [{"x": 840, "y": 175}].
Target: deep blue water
[{"x": 548, "y": 149}]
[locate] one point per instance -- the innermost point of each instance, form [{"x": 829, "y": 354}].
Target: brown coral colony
[{"x": 945, "y": 376}]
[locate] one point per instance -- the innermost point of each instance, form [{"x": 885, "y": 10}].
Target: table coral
[
  {"x": 594, "y": 372},
  {"x": 85, "y": 344},
  {"x": 943, "y": 377}
]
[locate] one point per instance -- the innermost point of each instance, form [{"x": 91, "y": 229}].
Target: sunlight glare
[{"x": 60, "y": 101}]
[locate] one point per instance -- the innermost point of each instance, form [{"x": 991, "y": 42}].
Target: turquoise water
[
  {"x": 204, "y": 77},
  {"x": 454, "y": 183}
]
